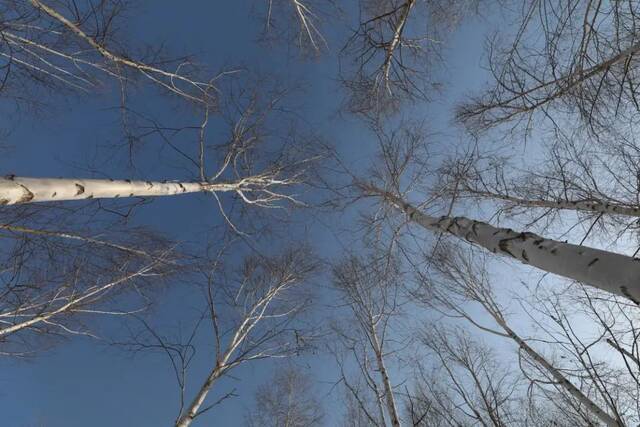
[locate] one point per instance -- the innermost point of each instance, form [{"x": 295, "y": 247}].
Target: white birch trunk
[
  {"x": 16, "y": 190},
  {"x": 389, "y": 396},
  {"x": 395, "y": 41},
  {"x": 192, "y": 412},
  {"x": 581, "y": 205},
  {"x": 561, "y": 380},
  {"x": 608, "y": 271}
]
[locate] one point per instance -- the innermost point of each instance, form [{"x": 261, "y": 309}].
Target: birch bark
[
  {"x": 388, "y": 390},
  {"x": 562, "y": 381},
  {"x": 395, "y": 41},
  {"x": 580, "y": 205},
  {"x": 608, "y": 271},
  {"x": 16, "y": 190}
]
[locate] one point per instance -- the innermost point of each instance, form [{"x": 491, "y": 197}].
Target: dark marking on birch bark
[
  {"x": 150, "y": 184},
  {"x": 538, "y": 241},
  {"x": 593, "y": 262},
  {"x": 10, "y": 177},
  {"x": 524, "y": 256},
  {"x": 127, "y": 181},
  {"x": 182, "y": 187},
  {"x": 79, "y": 189},
  {"x": 4, "y": 202},
  {"x": 554, "y": 250},
  {"x": 27, "y": 196},
  {"x": 626, "y": 293},
  {"x": 90, "y": 196},
  {"x": 503, "y": 245},
  {"x": 55, "y": 193}
]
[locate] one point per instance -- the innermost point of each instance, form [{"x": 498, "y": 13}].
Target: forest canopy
[{"x": 320, "y": 213}]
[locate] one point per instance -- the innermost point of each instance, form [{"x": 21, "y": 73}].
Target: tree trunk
[
  {"x": 598, "y": 206},
  {"x": 388, "y": 390},
  {"x": 395, "y": 41},
  {"x": 15, "y": 190},
  {"x": 608, "y": 271},
  {"x": 562, "y": 381},
  {"x": 192, "y": 412}
]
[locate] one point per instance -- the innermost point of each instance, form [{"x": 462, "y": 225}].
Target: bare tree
[
  {"x": 288, "y": 399},
  {"x": 595, "y": 182},
  {"x": 585, "y": 64},
  {"x": 371, "y": 291},
  {"x": 252, "y": 316},
  {"x": 73, "y": 46},
  {"x": 58, "y": 279},
  {"x": 17, "y": 190},
  {"x": 609, "y": 271},
  {"x": 300, "y": 21},
  {"x": 465, "y": 280},
  {"x": 476, "y": 389},
  {"x": 387, "y": 58}
]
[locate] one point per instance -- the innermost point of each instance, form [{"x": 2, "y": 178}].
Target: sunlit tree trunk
[
  {"x": 386, "y": 382},
  {"x": 16, "y": 190},
  {"x": 608, "y": 271},
  {"x": 397, "y": 37}
]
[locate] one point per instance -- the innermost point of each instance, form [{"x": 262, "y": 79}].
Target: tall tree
[
  {"x": 253, "y": 314},
  {"x": 584, "y": 64},
  {"x": 387, "y": 59},
  {"x": 287, "y": 399},
  {"x": 371, "y": 291}
]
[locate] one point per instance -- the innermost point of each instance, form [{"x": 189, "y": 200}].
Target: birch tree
[
  {"x": 371, "y": 291},
  {"x": 593, "y": 182},
  {"x": 287, "y": 399},
  {"x": 609, "y": 271},
  {"x": 263, "y": 162},
  {"x": 386, "y": 60},
  {"x": 59, "y": 280},
  {"x": 585, "y": 65},
  {"x": 299, "y": 21},
  {"x": 75, "y": 46},
  {"x": 464, "y": 280},
  {"x": 252, "y": 313}
]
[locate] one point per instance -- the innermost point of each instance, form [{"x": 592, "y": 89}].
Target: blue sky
[{"x": 82, "y": 382}]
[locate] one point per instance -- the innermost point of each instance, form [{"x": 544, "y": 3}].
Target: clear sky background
[{"x": 82, "y": 382}]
